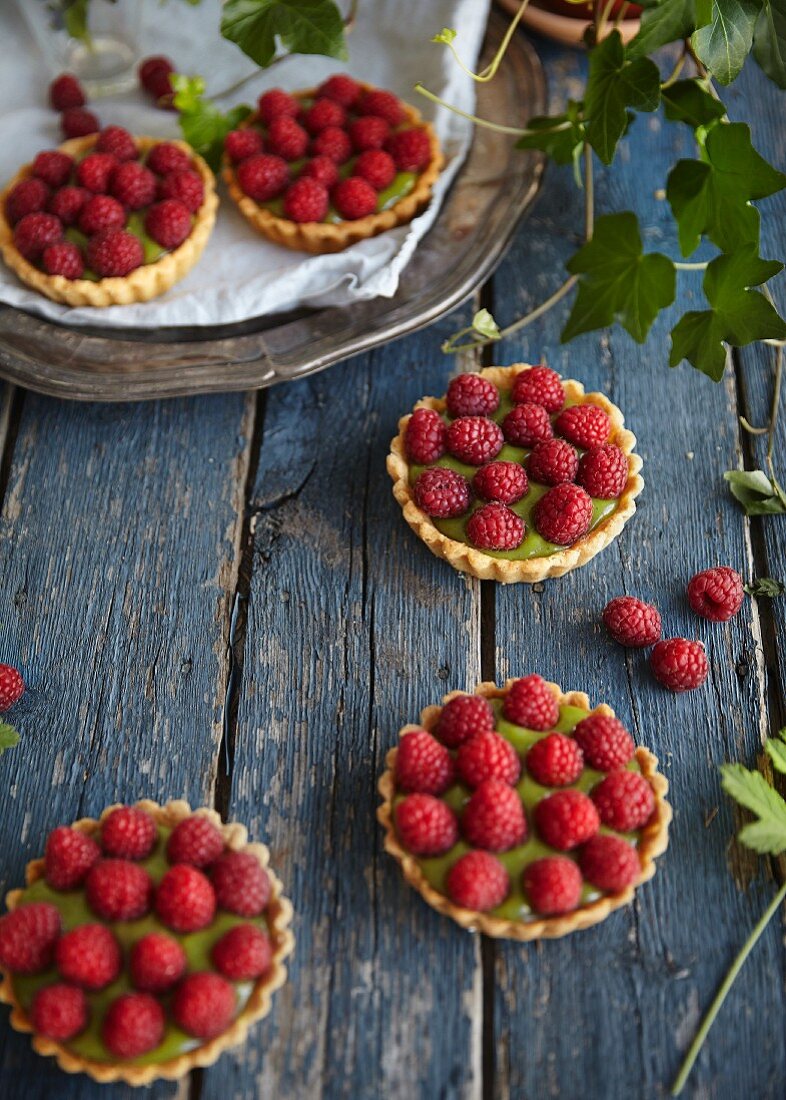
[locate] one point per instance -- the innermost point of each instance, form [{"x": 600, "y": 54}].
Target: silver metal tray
[{"x": 494, "y": 187}]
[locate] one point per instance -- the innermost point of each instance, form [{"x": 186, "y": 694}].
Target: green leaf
[
  {"x": 712, "y": 196},
  {"x": 668, "y": 21},
  {"x": 776, "y": 750},
  {"x": 687, "y": 101},
  {"x": 767, "y": 837},
  {"x": 769, "y": 41},
  {"x": 751, "y": 790},
  {"x": 203, "y": 125},
  {"x": 756, "y": 493},
  {"x": 724, "y": 44},
  {"x": 767, "y": 586},
  {"x": 8, "y": 737},
  {"x": 484, "y": 324},
  {"x": 445, "y": 36},
  {"x": 261, "y": 27},
  {"x": 620, "y": 281},
  {"x": 561, "y": 136},
  {"x": 613, "y": 85}
]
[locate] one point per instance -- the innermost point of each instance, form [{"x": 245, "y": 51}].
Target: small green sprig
[{"x": 9, "y": 737}]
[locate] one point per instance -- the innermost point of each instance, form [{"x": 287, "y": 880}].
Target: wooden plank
[{"x": 118, "y": 559}]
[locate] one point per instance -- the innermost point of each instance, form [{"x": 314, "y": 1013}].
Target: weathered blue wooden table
[{"x": 218, "y": 599}]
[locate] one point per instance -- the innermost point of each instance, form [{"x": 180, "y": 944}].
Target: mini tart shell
[
  {"x": 653, "y": 842},
  {"x": 323, "y": 237},
  {"x": 279, "y": 910},
  {"x": 147, "y": 281}
]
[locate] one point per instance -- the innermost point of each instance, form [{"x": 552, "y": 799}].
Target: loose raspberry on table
[
  {"x": 239, "y": 144},
  {"x": 423, "y": 765},
  {"x": 263, "y": 177},
  {"x": 114, "y": 252},
  {"x": 204, "y": 1004},
  {"x": 59, "y": 1012},
  {"x": 29, "y": 196},
  {"x": 410, "y": 149},
  {"x": 716, "y": 594},
  {"x": 66, "y": 204},
  {"x": 135, "y": 185},
  {"x": 323, "y": 113},
  {"x": 156, "y": 962},
  {"x": 464, "y": 717},
  {"x": 185, "y": 899},
  {"x": 168, "y": 222},
  {"x": 77, "y": 122},
  {"x": 128, "y": 833},
  {"x": 493, "y": 819},
  {"x": 603, "y": 471},
  {"x": 368, "y": 133},
  {"x": 555, "y": 760},
  {"x": 275, "y": 103},
  {"x": 632, "y": 622},
  {"x": 241, "y": 884},
  {"x": 624, "y": 801},
  {"x": 187, "y": 187},
  {"x": 133, "y": 1025},
  {"x": 566, "y": 819},
  {"x": 530, "y": 702},
  {"x": 539, "y": 386},
  {"x": 68, "y": 856},
  {"x": 383, "y": 105},
  {"x": 101, "y": 212},
  {"x": 340, "y": 87},
  {"x": 474, "y": 439},
  {"x": 165, "y": 158},
  {"x": 605, "y": 742},
  {"x": 495, "y": 527},
  {"x": 354, "y": 198},
  {"x": 564, "y": 514},
  {"x": 12, "y": 686},
  {"x": 28, "y": 935},
  {"x": 34, "y": 232},
  {"x": 426, "y": 826},
  {"x": 65, "y": 92},
  {"x": 609, "y": 863},
  {"x": 333, "y": 143},
  {"x": 53, "y": 167},
  {"x": 487, "y": 756},
  {"x": 95, "y": 172},
  {"x": 584, "y": 425},
  {"x": 243, "y": 953},
  {"x": 89, "y": 956},
  {"x": 552, "y": 885},
  {"x": 322, "y": 169},
  {"x": 195, "y": 840},
  {"x": 118, "y": 142},
  {"x": 679, "y": 664},
  {"x": 306, "y": 200},
  {"x": 527, "y": 424},
  {"x": 117, "y": 889},
  {"x": 553, "y": 462},
  {"x": 441, "y": 493},
  {"x": 478, "y": 881},
  {"x": 425, "y": 436},
  {"x": 152, "y": 72},
  {"x": 286, "y": 138},
  {"x": 376, "y": 167},
  {"x": 505, "y": 482},
  {"x": 471, "y": 395},
  {"x": 63, "y": 258}
]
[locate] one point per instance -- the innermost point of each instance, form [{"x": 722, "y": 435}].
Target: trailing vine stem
[
  {"x": 770, "y": 427},
  {"x": 490, "y": 70}
]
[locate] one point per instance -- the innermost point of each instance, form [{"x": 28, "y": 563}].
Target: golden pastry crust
[
  {"x": 654, "y": 839},
  {"x": 323, "y": 237},
  {"x": 279, "y": 913},
  {"x": 147, "y": 281},
  {"x": 466, "y": 558}
]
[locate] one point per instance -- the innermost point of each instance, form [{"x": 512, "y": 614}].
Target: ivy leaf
[
  {"x": 687, "y": 101},
  {"x": 769, "y": 41},
  {"x": 613, "y": 85},
  {"x": 668, "y": 21},
  {"x": 8, "y": 737},
  {"x": 561, "y": 136},
  {"x": 485, "y": 325},
  {"x": 203, "y": 125},
  {"x": 726, "y": 41},
  {"x": 751, "y": 790},
  {"x": 767, "y": 586},
  {"x": 756, "y": 493},
  {"x": 260, "y": 27},
  {"x": 621, "y": 282}
]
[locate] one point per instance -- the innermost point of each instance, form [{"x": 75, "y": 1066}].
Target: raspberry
[
  {"x": 117, "y": 889},
  {"x": 632, "y": 622},
  {"x": 487, "y": 756},
  {"x": 77, "y": 122},
  {"x": 566, "y": 819},
  {"x": 195, "y": 840},
  {"x": 464, "y": 717},
  {"x": 493, "y": 818},
  {"x": 564, "y": 514},
  {"x": 114, "y": 252},
  {"x": 530, "y": 703},
  {"x": 263, "y": 177},
  {"x": 242, "y": 954},
  {"x": 426, "y": 826},
  {"x": 505, "y": 482},
  {"x": 12, "y": 686},
  {"x": 88, "y": 955},
  {"x": 241, "y": 884},
  {"x": 306, "y": 200},
  {"x": 552, "y": 885},
  {"x": 471, "y": 395},
  {"x": 168, "y": 222},
  {"x": 605, "y": 742},
  {"x": 539, "y": 386},
  {"x": 65, "y": 92},
  {"x": 95, "y": 172},
  {"x": 26, "y": 197},
  {"x": 603, "y": 471},
  {"x": 34, "y": 232},
  {"x": 68, "y": 857},
  {"x": 441, "y": 493},
  {"x": 624, "y": 801},
  {"x": 716, "y": 594},
  {"x": 53, "y": 167},
  {"x": 376, "y": 167},
  {"x": 286, "y": 138},
  {"x": 152, "y": 73},
  {"x": 340, "y": 87},
  {"x": 239, "y": 144},
  {"x": 275, "y": 104},
  {"x": 63, "y": 258},
  {"x": 423, "y": 765},
  {"x": 324, "y": 113},
  {"x": 478, "y": 881},
  {"x": 426, "y": 436},
  {"x": 203, "y": 1005},
  {"x": 66, "y": 204},
  {"x": 186, "y": 187},
  {"x": 354, "y": 198},
  {"x": 59, "y": 1012},
  {"x": 474, "y": 439},
  {"x": 135, "y": 186},
  {"x": 185, "y": 899},
  {"x": 553, "y": 462},
  {"x": 321, "y": 169},
  {"x": 28, "y": 936},
  {"x": 584, "y": 425},
  {"x": 368, "y": 133},
  {"x": 134, "y": 1024},
  {"x": 332, "y": 143},
  {"x": 118, "y": 142},
  {"x": 165, "y": 158},
  {"x": 555, "y": 760},
  {"x": 101, "y": 212},
  {"x": 679, "y": 664},
  {"x": 383, "y": 105},
  {"x": 609, "y": 863},
  {"x": 410, "y": 149},
  {"x": 527, "y": 424},
  {"x": 156, "y": 962},
  {"x": 495, "y": 527},
  {"x": 128, "y": 833}
]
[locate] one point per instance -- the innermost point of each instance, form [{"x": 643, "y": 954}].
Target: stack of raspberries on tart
[
  {"x": 522, "y": 813},
  {"x": 516, "y": 474},
  {"x": 107, "y": 219},
  {"x": 321, "y": 169},
  {"x": 145, "y": 943}
]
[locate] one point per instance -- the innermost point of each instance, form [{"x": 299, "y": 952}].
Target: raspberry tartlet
[
  {"x": 107, "y": 219},
  {"x": 321, "y": 169},
  {"x": 515, "y": 474},
  {"x": 522, "y": 813},
  {"x": 145, "y": 943}
]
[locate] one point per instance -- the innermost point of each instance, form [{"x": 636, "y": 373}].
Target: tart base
[
  {"x": 654, "y": 839},
  {"x": 279, "y": 911}
]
